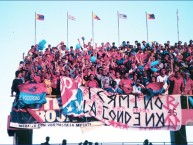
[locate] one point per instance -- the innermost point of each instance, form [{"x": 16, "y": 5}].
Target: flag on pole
[
  {"x": 71, "y": 17},
  {"x": 95, "y": 17},
  {"x": 177, "y": 24},
  {"x": 122, "y": 16},
  {"x": 39, "y": 17},
  {"x": 150, "y": 16}
]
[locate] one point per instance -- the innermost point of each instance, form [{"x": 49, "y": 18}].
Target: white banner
[
  {"x": 56, "y": 124},
  {"x": 129, "y": 111}
]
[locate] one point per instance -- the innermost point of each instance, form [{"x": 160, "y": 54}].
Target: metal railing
[{"x": 126, "y": 143}]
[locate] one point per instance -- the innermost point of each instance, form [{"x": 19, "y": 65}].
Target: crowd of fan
[{"x": 125, "y": 69}]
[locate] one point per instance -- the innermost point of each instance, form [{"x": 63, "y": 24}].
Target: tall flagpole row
[{"x": 119, "y": 15}]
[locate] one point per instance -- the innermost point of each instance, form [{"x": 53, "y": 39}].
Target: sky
[{"x": 17, "y": 34}]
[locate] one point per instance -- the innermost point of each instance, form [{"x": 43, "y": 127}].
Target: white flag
[
  {"x": 122, "y": 16},
  {"x": 71, "y": 17}
]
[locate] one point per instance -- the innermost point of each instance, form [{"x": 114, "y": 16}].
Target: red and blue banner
[
  {"x": 31, "y": 94},
  {"x": 75, "y": 106},
  {"x": 72, "y": 98}
]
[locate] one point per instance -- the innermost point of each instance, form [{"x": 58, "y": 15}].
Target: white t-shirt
[
  {"x": 62, "y": 52},
  {"x": 165, "y": 80},
  {"x": 117, "y": 81},
  {"x": 137, "y": 89},
  {"x": 105, "y": 81}
]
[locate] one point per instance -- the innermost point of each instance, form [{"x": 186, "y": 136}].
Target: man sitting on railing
[{"x": 16, "y": 82}]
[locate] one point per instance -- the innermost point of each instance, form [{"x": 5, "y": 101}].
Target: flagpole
[
  {"x": 177, "y": 24},
  {"x": 92, "y": 31},
  {"x": 67, "y": 29},
  {"x": 35, "y": 27},
  {"x": 146, "y": 26},
  {"x": 118, "y": 28}
]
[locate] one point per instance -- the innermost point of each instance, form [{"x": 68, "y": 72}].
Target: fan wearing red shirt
[
  {"x": 92, "y": 83},
  {"x": 178, "y": 83},
  {"x": 126, "y": 84},
  {"x": 188, "y": 88}
]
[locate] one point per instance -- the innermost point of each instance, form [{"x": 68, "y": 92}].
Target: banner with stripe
[{"x": 31, "y": 94}]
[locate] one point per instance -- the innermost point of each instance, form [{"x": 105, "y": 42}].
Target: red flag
[
  {"x": 150, "y": 16},
  {"x": 95, "y": 17},
  {"x": 155, "y": 86},
  {"x": 39, "y": 17},
  {"x": 33, "y": 88},
  {"x": 141, "y": 56}
]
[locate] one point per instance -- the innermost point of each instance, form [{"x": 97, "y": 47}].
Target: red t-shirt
[
  {"x": 37, "y": 79},
  {"x": 126, "y": 85},
  {"x": 54, "y": 81},
  {"x": 177, "y": 85},
  {"x": 188, "y": 86},
  {"x": 100, "y": 53},
  {"x": 47, "y": 52},
  {"x": 92, "y": 84},
  {"x": 87, "y": 57},
  {"x": 141, "y": 56}
]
